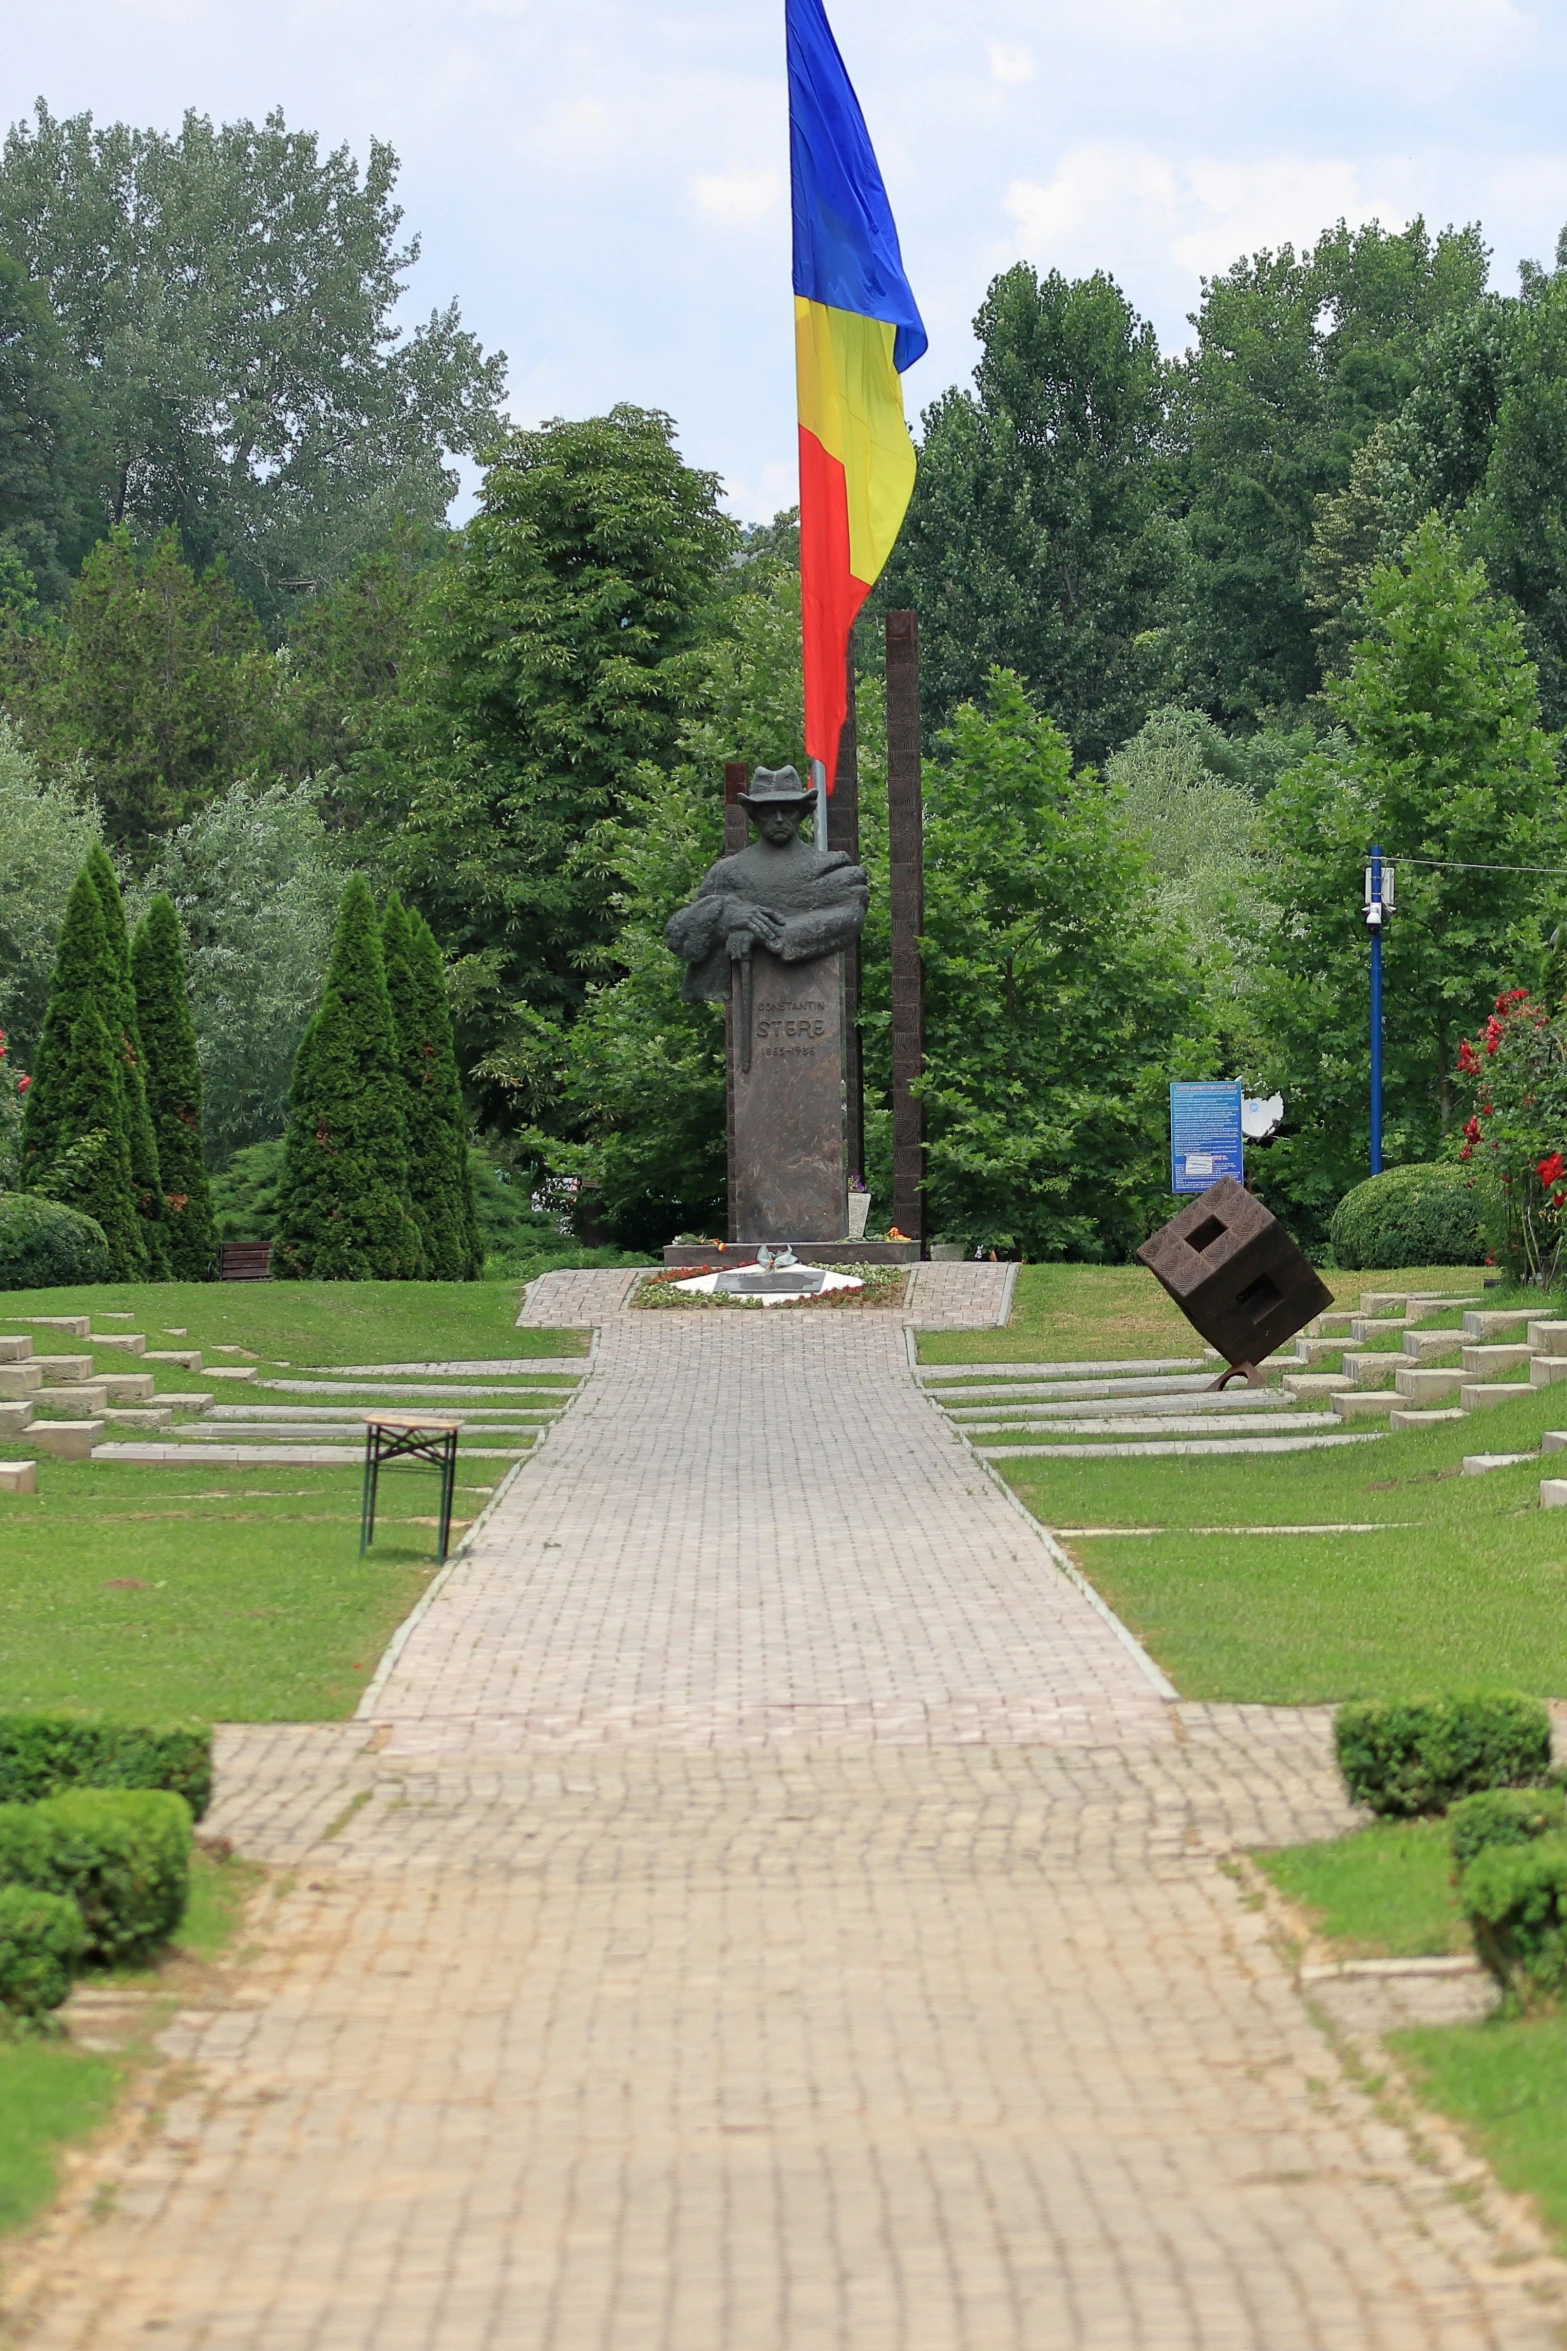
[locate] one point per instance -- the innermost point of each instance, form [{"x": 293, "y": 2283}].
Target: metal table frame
[{"x": 404, "y": 1438}]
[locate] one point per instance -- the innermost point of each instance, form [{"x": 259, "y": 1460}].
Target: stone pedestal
[{"x": 790, "y": 1176}]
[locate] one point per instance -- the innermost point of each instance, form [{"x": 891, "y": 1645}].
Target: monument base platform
[{"x": 808, "y": 1252}]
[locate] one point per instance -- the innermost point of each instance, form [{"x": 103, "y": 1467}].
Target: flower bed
[{"x": 882, "y": 1285}]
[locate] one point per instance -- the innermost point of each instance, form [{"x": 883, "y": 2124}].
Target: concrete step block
[
  {"x": 13, "y": 1419},
  {"x": 1424, "y": 1387},
  {"x": 1325, "y": 1326},
  {"x": 139, "y": 1416},
  {"x": 1477, "y": 1464},
  {"x": 70, "y": 1326},
  {"x": 63, "y": 1371},
  {"x": 1548, "y": 1338},
  {"x": 1546, "y": 1370},
  {"x": 1483, "y": 1363},
  {"x": 1422, "y": 1309},
  {"x": 1383, "y": 1301},
  {"x": 183, "y": 1358},
  {"x": 1305, "y": 1385},
  {"x": 225, "y": 1371},
  {"x": 1475, "y": 1396},
  {"x": 122, "y": 1342},
  {"x": 67, "y": 1440},
  {"x": 128, "y": 1387},
  {"x": 74, "y": 1403},
  {"x": 15, "y": 1347},
  {"x": 1493, "y": 1322},
  {"x": 1554, "y": 1441},
  {"x": 18, "y": 1477},
  {"x": 1430, "y": 1346},
  {"x": 1425, "y": 1420},
  {"x": 1374, "y": 1326},
  {"x": 20, "y": 1379},
  {"x": 183, "y": 1401},
  {"x": 1371, "y": 1369},
  {"x": 1311, "y": 1350},
  {"x": 1553, "y": 1493},
  {"x": 1358, "y": 1404}
]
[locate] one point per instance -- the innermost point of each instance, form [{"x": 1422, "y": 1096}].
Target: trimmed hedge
[
  {"x": 42, "y": 1755},
  {"x": 1515, "y": 1898},
  {"x": 1502, "y": 1816},
  {"x": 41, "y": 1940},
  {"x": 1413, "y": 1755},
  {"x": 121, "y": 1854},
  {"x": 1425, "y": 1214},
  {"x": 45, "y": 1247}
]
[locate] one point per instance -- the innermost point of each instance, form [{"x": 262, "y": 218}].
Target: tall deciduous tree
[
  {"x": 229, "y": 293},
  {"x": 173, "y": 1078},
  {"x": 1037, "y": 537},
  {"x": 343, "y": 1207},
  {"x": 75, "y": 1129},
  {"x": 47, "y": 517},
  {"x": 557, "y": 653},
  {"x": 256, "y": 880},
  {"x": 1058, "y": 1003},
  {"x": 1299, "y": 356},
  {"x": 1447, "y": 769},
  {"x": 159, "y": 683}
]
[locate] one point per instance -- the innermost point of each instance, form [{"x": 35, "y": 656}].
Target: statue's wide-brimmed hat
[{"x": 776, "y": 787}]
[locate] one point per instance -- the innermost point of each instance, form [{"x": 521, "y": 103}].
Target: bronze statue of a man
[{"x": 780, "y": 892}]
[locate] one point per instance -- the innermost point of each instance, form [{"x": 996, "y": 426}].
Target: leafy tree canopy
[
  {"x": 1037, "y": 537},
  {"x": 1446, "y": 768},
  {"x": 228, "y": 294},
  {"x": 159, "y": 684},
  {"x": 1298, "y": 357},
  {"x": 559, "y": 651}
]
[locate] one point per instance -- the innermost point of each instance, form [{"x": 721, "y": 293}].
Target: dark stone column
[
  {"x": 790, "y": 1179},
  {"x": 906, "y": 907},
  {"x": 843, "y": 832}
]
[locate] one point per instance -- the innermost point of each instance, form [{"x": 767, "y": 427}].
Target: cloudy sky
[{"x": 603, "y": 183}]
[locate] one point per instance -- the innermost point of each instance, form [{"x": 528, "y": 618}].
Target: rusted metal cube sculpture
[{"x": 1235, "y": 1273}]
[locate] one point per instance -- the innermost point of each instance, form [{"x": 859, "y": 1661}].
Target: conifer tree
[
  {"x": 173, "y": 1080},
  {"x": 439, "y": 1184},
  {"x": 75, "y": 1148},
  {"x": 344, "y": 1213},
  {"x": 119, "y": 1012}
]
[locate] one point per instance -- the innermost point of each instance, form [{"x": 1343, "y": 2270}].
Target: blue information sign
[{"x": 1205, "y": 1135}]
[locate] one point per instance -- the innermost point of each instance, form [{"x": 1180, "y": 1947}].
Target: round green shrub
[
  {"x": 44, "y": 1246},
  {"x": 121, "y": 1854},
  {"x": 41, "y": 1939},
  {"x": 1419, "y": 1215}
]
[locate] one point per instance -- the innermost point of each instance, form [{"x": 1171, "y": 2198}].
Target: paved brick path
[{"x": 773, "y": 1917}]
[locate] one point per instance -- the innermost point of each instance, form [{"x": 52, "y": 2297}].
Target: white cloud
[
  {"x": 738, "y": 198},
  {"x": 1127, "y": 206},
  {"x": 1010, "y": 63}
]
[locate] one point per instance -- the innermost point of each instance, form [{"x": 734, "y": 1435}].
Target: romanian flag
[{"x": 855, "y": 329}]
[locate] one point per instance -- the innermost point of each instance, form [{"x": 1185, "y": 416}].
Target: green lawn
[
  {"x": 1505, "y": 2084},
  {"x": 203, "y": 1591},
  {"x": 1463, "y": 1581},
  {"x": 1094, "y": 1313},
  {"x": 305, "y": 1323},
  {"x": 1385, "y": 1893},
  {"x": 48, "y": 2093}
]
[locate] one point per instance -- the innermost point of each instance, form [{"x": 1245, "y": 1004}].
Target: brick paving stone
[{"x": 763, "y": 1907}]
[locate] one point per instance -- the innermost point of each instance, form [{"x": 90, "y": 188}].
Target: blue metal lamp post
[{"x": 1379, "y": 900}]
